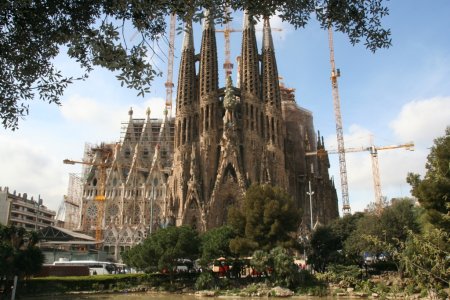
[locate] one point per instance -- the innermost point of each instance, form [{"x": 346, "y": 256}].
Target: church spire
[
  {"x": 270, "y": 86},
  {"x": 208, "y": 75},
  {"x": 208, "y": 21},
  {"x": 188, "y": 40},
  {"x": 186, "y": 95},
  {"x": 267, "y": 35},
  {"x": 249, "y": 66}
]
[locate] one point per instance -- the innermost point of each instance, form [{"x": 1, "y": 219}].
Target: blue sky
[{"x": 399, "y": 94}]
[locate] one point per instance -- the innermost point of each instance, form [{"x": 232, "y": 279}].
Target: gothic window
[
  {"x": 92, "y": 210},
  {"x": 113, "y": 210},
  {"x": 189, "y": 129},
  {"x": 278, "y": 133},
  {"x": 272, "y": 122},
  {"x": 183, "y": 129},
  {"x": 201, "y": 118},
  {"x": 251, "y": 118},
  {"x": 207, "y": 117},
  {"x": 261, "y": 120},
  {"x": 192, "y": 205},
  {"x": 195, "y": 126},
  {"x": 179, "y": 133},
  {"x": 94, "y": 182},
  {"x": 213, "y": 119},
  {"x": 194, "y": 222}
]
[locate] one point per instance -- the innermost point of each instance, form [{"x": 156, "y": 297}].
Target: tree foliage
[
  {"x": 283, "y": 271},
  {"x": 425, "y": 259},
  {"x": 323, "y": 248},
  {"x": 267, "y": 218},
  {"x": 163, "y": 249},
  {"x": 216, "y": 243},
  {"x": 94, "y": 33},
  {"x": 19, "y": 255},
  {"x": 326, "y": 244},
  {"x": 391, "y": 227},
  {"x": 433, "y": 191}
]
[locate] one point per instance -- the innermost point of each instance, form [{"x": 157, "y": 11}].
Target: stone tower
[
  {"x": 136, "y": 172},
  {"x": 190, "y": 169},
  {"x": 228, "y": 138}
]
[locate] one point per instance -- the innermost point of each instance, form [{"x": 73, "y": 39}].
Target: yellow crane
[
  {"x": 335, "y": 73},
  {"x": 169, "y": 83},
  {"x": 228, "y": 65},
  {"x": 375, "y": 167},
  {"x": 170, "y": 58},
  {"x": 104, "y": 153}
]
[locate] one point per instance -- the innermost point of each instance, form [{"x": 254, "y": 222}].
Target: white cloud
[
  {"x": 423, "y": 120},
  {"x": 27, "y": 168},
  {"x": 156, "y": 105},
  {"x": 32, "y": 162},
  {"x": 418, "y": 121},
  {"x": 104, "y": 119},
  {"x": 280, "y": 29},
  {"x": 81, "y": 109}
]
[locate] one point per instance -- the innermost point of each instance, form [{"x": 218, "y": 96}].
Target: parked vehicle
[{"x": 95, "y": 267}]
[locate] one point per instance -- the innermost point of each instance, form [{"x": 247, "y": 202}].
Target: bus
[{"x": 95, "y": 267}]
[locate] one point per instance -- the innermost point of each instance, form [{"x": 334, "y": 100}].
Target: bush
[
  {"x": 251, "y": 289},
  {"x": 344, "y": 275},
  {"x": 365, "y": 286},
  {"x": 383, "y": 266},
  {"x": 59, "y": 285},
  {"x": 317, "y": 290},
  {"x": 206, "y": 281}
]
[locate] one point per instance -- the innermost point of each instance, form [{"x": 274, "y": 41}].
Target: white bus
[{"x": 95, "y": 267}]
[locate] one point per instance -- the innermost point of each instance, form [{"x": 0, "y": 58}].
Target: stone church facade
[
  {"x": 132, "y": 174},
  {"x": 228, "y": 138},
  {"x": 191, "y": 168}
]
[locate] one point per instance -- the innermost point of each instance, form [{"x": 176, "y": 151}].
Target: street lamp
[
  {"x": 39, "y": 203},
  {"x": 152, "y": 199},
  {"x": 310, "y": 193}
]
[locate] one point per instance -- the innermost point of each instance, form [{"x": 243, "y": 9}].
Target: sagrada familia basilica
[{"x": 191, "y": 168}]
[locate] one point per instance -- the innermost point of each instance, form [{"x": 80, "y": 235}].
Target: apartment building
[{"x": 18, "y": 210}]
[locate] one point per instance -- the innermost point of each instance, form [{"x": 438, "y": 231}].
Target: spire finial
[
  {"x": 248, "y": 21},
  {"x": 148, "y": 112},
  {"x": 267, "y": 34},
  {"x": 188, "y": 40},
  {"x": 208, "y": 21},
  {"x": 319, "y": 145}
]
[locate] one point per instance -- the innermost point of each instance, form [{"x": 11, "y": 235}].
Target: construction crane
[
  {"x": 105, "y": 154},
  {"x": 228, "y": 65},
  {"x": 170, "y": 58},
  {"x": 335, "y": 73},
  {"x": 375, "y": 167},
  {"x": 169, "y": 83}
]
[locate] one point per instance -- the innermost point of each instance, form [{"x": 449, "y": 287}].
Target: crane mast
[
  {"x": 339, "y": 132},
  {"x": 169, "y": 83},
  {"x": 104, "y": 153},
  {"x": 376, "y": 170},
  {"x": 228, "y": 65},
  {"x": 375, "y": 167}
]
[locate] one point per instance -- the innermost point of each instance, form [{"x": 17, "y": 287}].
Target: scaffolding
[
  {"x": 159, "y": 136},
  {"x": 69, "y": 211}
]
